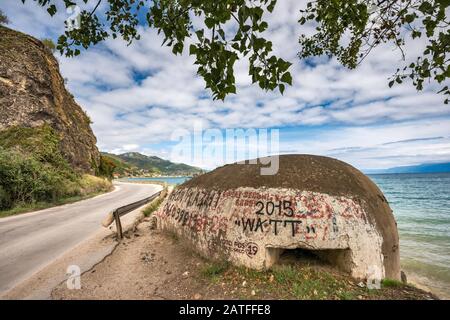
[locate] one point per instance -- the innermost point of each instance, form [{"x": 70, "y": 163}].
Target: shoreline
[{"x": 418, "y": 281}]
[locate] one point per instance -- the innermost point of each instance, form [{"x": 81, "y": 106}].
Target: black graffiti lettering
[
  {"x": 217, "y": 199},
  {"x": 248, "y": 223},
  {"x": 275, "y": 229},
  {"x": 188, "y": 200},
  {"x": 211, "y": 199},
  {"x": 253, "y": 224},
  {"x": 199, "y": 199},
  {"x": 270, "y": 207},
  {"x": 252, "y": 249},
  {"x": 293, "y": 225},
  {"x": 335, "y": 227},
  {"x": 287, "y": 205},
  {"x": 195, "y": 200},
  {"x": 185, "y": 218},
  {"x": 260, "y": 210},
  {"x": 180, "y": 214},
  {"x": 284, "y": 208},
  {"x": 177, "y": 214},
  {"x": 278, "y": 206},
  {"x": 259, "y": 224}
]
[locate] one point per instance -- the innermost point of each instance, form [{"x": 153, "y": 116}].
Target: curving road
[{"x": 30, "y": 241}]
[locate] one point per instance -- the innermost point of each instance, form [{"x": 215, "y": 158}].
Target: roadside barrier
[{"x": 121, "y": 211}]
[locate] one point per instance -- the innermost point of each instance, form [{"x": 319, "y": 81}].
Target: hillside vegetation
[
  {"x": 136, "y": 164},
  {"x": 48, "y": 152},
  {"x": 35, "y": 174},
  {"x": 33, "y": 93}
]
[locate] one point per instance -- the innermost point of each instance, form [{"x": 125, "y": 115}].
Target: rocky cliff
[{"x": 32, "y": 94}]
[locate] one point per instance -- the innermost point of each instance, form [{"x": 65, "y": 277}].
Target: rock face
[
  {"x": 313, "y": 203},
  {"x": 32, "y": 94}
]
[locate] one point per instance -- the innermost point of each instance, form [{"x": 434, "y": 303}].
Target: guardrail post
[
  {"x": 118, "y": 224},
  {"x": 124, "y": 210}
]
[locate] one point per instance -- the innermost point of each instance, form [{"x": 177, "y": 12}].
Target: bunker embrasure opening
[{"x": 339, "y": 259}]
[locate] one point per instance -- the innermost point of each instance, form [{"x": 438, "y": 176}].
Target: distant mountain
[
  {"x": 421, "y": 168},
  {"x": 137, "y": 164}
]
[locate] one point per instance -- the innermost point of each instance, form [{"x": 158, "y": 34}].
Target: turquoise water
[
  {"x": 168, "y": 180},
  {"x": 421, "y": 205}
]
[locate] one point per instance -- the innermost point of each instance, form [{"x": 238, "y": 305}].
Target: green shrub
[
  {"x": 154, "y": 205},
  {"x": 23, "y": 179},
  {"x": 214, "y": 269},
  {"x": 40, "y": 142},
  {"x": 49, "y": 44},
  {"x": 391, "y": 283},
  {"x": 33, "y": 170},
  {"x": 106, "y": 167},
  {"x": 88, "y": 184}
]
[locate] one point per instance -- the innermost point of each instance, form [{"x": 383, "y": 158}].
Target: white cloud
[{"x": 138, "y": 95}]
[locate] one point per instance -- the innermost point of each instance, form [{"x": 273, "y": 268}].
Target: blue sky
[{"x": 137, "y": 96}]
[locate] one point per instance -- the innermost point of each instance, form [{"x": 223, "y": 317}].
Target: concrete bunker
[{"x": 315, "y": 204}]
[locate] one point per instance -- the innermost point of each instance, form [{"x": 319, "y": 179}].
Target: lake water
[
  {"x": 168, "y": 180},
  {"x": 421, "y": 205}
]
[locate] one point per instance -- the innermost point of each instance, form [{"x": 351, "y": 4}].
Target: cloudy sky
[{"x": 138, "y": 96}]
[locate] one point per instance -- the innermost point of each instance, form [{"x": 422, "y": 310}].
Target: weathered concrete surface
[{"x": 314, "y": 203}]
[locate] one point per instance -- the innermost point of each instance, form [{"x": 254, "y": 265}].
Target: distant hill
[
  {"x": 137, "y": 164},
  {"x": 421, "y": 168}
]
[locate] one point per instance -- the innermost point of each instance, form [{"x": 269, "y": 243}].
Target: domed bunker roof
[
  {"x": 296, "y": 171},
  {"x": 324, "y": 184}
]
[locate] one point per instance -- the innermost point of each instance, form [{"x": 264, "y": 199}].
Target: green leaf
[
  {"x": 287, "y": 78},
  {"x": 52, "y": 10},
  {"x": 426, "y": 7},
  {"x": 210, "y": 22},
  {"x": 410, "y": 18},
  {"x": 192, "y": 49},
  {"x": 263, "y": 26},
  {"x": 271, "y": 5}
]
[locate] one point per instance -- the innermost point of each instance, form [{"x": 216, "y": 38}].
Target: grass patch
[
  {"x": 291, "y": 282},
  {"x": 309, "y": 283},
  {"x": 214, "y": 269},
  {"x": 45, "y": 205},
  {"x": 346, "y": 295},
  {"x": 154, "y": 205},
  {"x": 391, "y": 283},
  {"x": 285, "y": 274},
  {"x": 34, "y": 173}
]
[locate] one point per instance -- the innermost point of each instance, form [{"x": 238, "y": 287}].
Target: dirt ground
[
  {"x": 145, "y": 265},
  {"x": 149, "y": 264}
]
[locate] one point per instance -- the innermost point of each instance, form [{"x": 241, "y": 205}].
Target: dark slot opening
[{"x": 336, "y": 258}]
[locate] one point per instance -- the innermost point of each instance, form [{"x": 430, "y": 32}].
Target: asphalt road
[{"x": 30, "y": 241}]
